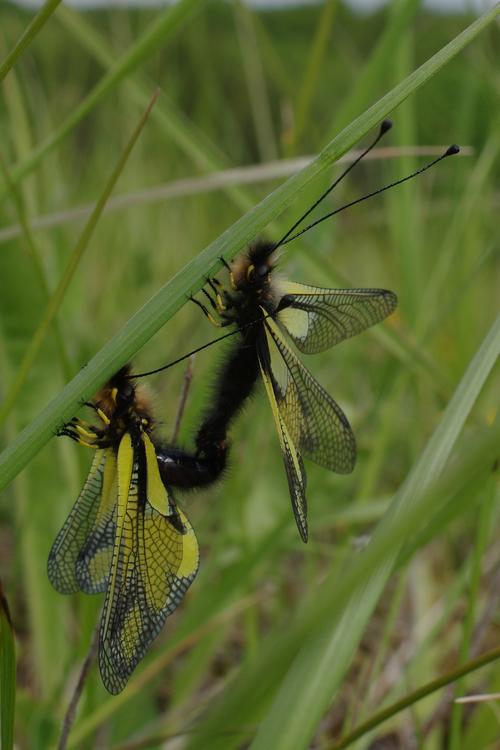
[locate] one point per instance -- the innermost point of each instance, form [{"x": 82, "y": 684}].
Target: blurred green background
[{"x": 239, "y": 88}]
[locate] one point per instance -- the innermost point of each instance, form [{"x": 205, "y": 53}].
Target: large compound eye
[
  {"x": 124, "y": 395},
  {"x": 262, "y": 271}
]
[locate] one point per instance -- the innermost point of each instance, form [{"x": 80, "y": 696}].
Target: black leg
[
  {"x": 213, "y": 284},
  {"x": 67, "y": 432},
  {"x": 225, "y": 263},
  {"x": 90, "y": 405},
  {"x": 211, "y": 300},
  {"x": 201, "y": 306}
]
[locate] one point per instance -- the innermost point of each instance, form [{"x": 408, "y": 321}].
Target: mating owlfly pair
[{"x": 126, "y": 536}]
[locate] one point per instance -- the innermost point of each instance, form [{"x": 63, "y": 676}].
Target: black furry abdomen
[
  {"x": 235, "y": 382},
  {"x": 181, "y": 469}
]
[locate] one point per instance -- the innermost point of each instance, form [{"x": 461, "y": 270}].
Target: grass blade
[
  {"x": 35, "y": 257},
  {"x": 322, "y": 662},
  {"x": 75, "y": 258},
  {"x": 417, "y": 695},
  {"x": 165, "y": 25},
  {"x": 152, "y": 316},
  {"x": 176, "y": 126},
  {"x": 30, "y": 33},
  {"x": 244, "y": 700}
]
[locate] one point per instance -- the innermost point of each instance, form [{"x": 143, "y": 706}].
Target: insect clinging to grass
[
  {"x": 268, "y": 310},
  {"x": 126, "y": 535}
]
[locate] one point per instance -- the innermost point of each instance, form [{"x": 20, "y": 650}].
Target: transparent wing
[
  {"x": 316, "y": 424},
  {"x": 317, "y": 319},
  {"x": 155, "y": 559},
  {"x": 69, "y": 542},
  {"x": 93, "y": 564},
  {"x": 294, "y": 466}
]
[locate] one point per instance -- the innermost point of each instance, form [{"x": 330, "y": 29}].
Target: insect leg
[
  {"x": 208, "y": 314},
  {"x": 102, "y": 416},
  {"x": 213, "y": 302},
  {"x": 220, "y": 304},
  {"x": 229, "y": 270},
  {"x": 225, "y": 263},
  {"x": 67, "y": 431},
  {"x": 90, "y": 405}
]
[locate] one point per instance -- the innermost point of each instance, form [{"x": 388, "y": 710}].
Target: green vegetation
[{"x": 278, "y": 645}]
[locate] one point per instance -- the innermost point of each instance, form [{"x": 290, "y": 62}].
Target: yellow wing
[
  {"x": 317, "y": 318},
  {"x": 294, "y": 466},
  {"x": 83, "y": 522},
  {"x": 94, "y": 560},
  {"x": 155, "y": 559}
]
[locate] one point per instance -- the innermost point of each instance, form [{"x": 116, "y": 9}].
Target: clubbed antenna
[
  {"x": 450, "y": 151},
  {"x": 384, "y": 127}
]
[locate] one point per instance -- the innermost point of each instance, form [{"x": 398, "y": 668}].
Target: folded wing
[
  {"x": 294, "y": 466},
  {"x": 155, "y": 559},
  {"x": 316, "y": 424},
  {"x": 94, "y": 560},
  {"x": 62, "y": 563}
]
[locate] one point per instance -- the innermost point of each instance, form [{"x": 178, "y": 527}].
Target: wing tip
[
  {"x": 112, "y": 679},
  {"x": 391, "y": 299}
]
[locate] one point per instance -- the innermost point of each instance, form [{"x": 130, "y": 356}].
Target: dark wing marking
[
  {"x": 69, "y": 542},
  {"x": 317, "y": 319},
  {"x": 317, "y": 425},
  {"x": 155, "y": 560}
]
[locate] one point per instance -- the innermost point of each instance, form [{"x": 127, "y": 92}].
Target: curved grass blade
[
  {"x": 417, "y": 695},
  {"x": 153, "y": 315}
]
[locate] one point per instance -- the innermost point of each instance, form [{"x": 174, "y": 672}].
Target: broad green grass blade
[
  {"x": 7, "y": 676},
  {"x": 30, "y": 33},
  {"x": 75, "y": 258},
  {"x": 160, "y": 30},
  {"x": 172, "y": 296},
  {"x": 315, "y": 674}
]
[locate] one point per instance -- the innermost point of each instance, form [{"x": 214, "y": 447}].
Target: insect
[
  {"x": 126, "y": 536},
  {"x": 268, "y": 311},
  {"x": 309, "y": 422}
]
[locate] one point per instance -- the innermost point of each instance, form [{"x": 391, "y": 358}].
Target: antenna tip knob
[
  {"x": 385, "y": 126},
  {"x": 453, "y": 149}
]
